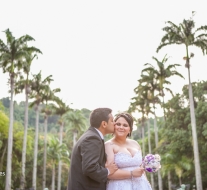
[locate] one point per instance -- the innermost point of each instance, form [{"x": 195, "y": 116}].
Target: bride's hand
[
  {"x": 112, "y": 167},
  {"x": 138, "y": 172}
]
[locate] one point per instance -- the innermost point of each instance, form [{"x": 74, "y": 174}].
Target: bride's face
[{"x": 122, "y": 127}]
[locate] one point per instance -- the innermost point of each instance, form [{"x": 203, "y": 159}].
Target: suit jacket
[{"x": 87, "y": 166}]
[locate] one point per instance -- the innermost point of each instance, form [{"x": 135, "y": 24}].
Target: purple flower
[{"x": 151, "y": 162}]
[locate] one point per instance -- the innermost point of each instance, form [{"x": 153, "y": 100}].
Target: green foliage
[
  {"x": 4, "y": 123},
  {"x": 176, "y": 137},
  {"x": 57, "y": 152},
  {"x": 75, "y": 124},
  {"x": 19, "y": 110},
  {"x": 18, "y": 141},
  {"x": 5, "y": 102}
]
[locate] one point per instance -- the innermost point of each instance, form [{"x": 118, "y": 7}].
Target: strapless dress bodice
[{"x": 125, "y": 161}]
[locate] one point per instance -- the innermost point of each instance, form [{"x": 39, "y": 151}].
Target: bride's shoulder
[
  {"x": 109, "y": 147},
  {"x": 132, "y": 142},
  {"x": 109, "y": 143}
]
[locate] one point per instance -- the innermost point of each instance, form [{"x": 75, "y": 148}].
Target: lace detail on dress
[{"x": 125, "y": 161}]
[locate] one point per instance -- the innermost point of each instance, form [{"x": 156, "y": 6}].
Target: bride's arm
[{"x": 120, "y": 174}]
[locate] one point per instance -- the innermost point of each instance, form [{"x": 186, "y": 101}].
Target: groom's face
[{"x": 110, "y": 124}]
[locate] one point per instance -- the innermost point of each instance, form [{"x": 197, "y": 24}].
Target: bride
[{"x": 126, "y": 153}]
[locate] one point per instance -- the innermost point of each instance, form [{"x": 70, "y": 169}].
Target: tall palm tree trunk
[
  {"x": 156, "y": 144},
  {"x": 163, "y": 103},
  {"x": 10, "y": 136},
  {"x": 60, "y": 163},
  {"x": 143, "y": 145},
  {"x": 169, "y": 180},
  {"x": 22, "y": 183},
  {"x": 45, "y": 152},
  {"x": 155, "y": 128},
  {"x": 180, "y": 181},
  {"x": 149, "y": 136},
  {"x": 150, "y": 151},
  {"x": 195, "y": 141},
  {"x": 35, "y": 148},
  {"x": 159, "y": 180},
  {"x": 53, "y": 177}
]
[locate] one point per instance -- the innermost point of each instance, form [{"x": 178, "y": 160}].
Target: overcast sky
[{"x": 95, "y": 50}]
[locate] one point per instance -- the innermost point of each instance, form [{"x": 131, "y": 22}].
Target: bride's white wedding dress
[{"x": 125, "y": 161}]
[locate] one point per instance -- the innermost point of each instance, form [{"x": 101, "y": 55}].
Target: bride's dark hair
[{"x": 128, "y": 118}]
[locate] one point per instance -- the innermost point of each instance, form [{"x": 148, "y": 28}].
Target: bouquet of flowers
[{"x": 151, "y": 162}]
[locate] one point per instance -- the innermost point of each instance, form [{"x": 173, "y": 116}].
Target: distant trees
[
  {"x": 56, "y": 152},
  {"x": 18, "y": 133}
]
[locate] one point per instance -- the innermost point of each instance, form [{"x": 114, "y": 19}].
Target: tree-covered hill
[{"x": 52, "y": 120}]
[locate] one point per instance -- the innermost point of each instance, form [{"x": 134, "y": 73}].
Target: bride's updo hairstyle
[{"x": 128, "y": 118}]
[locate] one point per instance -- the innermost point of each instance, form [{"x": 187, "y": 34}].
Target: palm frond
[
  {"x": 9, "y": 36},
  {"x": 173, "y": 25},
  {"x": 202, "y": 44},
  {"x": 166, "y": 44},
  {"x": 172, "y": 66},
  {"x": 26, "y": 38},
  {"x": 201, "y": 28},
  {"x": 32, "y": 50},
  {"x": 169, "y": 90},
  {"x": 3, "y": 47},
  {"x": 178, "y": 74}
]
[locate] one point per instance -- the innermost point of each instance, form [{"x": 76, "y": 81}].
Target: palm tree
[
  {"x": 162, "y": 74},
  {"x": 144, "y": 94},
  {"x": 11, "y": 58},
  {"x": 76, "y": 123},
  {"x": 149, "y": 79},
  {"x": 60, "y": 110},
  {"x": 170, "y": 163},
  {"x": 48, "y": 95},
  {"x": 27, "y": 88},
  {"x": 185, "y": 34},
  {"x": 138, "y": 104},
  {"x": 39, "y": 87},
  {"x": 56, "y": 152}
]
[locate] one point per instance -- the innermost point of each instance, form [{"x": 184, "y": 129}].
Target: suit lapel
[{"x": 93, "y": 129}]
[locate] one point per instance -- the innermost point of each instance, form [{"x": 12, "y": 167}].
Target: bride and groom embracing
[{"x": 113, "y": 165}]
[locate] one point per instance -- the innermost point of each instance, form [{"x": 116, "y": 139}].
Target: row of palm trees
[
  {"x": 16, "y": 57},
  {"x": 149, "y": 92},
  {"x": 13, "y": 58},
  {"x": 152, "y": 85}
]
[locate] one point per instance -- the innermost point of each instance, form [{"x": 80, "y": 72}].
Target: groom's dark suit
[{"x": 87, "y": 167}]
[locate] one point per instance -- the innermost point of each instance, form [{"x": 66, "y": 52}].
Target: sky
[{"x": 95, "y": 50}]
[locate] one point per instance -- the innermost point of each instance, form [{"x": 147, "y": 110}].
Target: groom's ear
[{"x": 104, "y": 124}]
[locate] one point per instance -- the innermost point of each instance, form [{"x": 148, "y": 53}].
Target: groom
[{"x": 87, "y": 167}]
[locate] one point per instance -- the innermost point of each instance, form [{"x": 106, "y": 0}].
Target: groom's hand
[
  {"x": 112, "y": 167},
  {"x": 138, "y": 172}
]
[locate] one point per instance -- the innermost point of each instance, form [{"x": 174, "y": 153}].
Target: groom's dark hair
[{"x": 98, "y": 115}]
